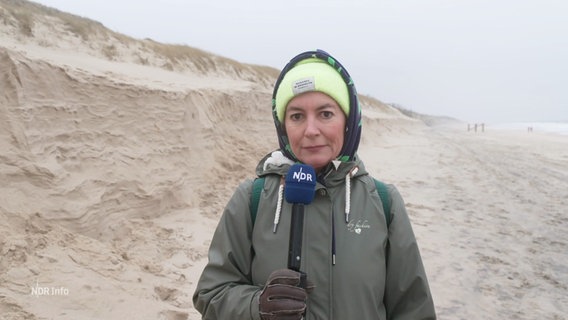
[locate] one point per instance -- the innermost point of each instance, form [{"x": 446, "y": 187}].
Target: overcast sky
[{"x": 476, "y": 60}]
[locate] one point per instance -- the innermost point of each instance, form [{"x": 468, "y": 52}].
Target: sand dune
[
  {"x": 114, "y": 174},
  {"x": 105, "y": 181}
]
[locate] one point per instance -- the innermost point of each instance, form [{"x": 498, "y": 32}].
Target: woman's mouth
[{"x": 314, "y": 148}]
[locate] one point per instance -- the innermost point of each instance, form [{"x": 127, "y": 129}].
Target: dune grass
[{"x": 26, "y": 15}]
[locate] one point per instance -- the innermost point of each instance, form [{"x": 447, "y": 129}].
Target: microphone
[{"x": 299, "y": 190}]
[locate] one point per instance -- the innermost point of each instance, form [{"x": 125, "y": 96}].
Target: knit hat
[
  {"x": 317, "y": 71},
  {"x": 311, "y": 75}
]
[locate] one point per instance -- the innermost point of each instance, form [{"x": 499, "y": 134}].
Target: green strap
[
  {"x": 258, "y": 185},
  {"x": 385, "y": 199}
]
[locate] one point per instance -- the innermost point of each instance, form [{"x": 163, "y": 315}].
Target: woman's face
[{"x": 315, "y": 125}]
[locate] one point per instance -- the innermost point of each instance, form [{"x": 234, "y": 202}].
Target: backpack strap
[
  {"x": 385, "y": 199},
  {"x": 258, "y": 185}
]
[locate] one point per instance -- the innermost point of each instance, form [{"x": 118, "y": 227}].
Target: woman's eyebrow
[
  {"x": 294, "y": 108},
  {"x": 299, "y": 108}
]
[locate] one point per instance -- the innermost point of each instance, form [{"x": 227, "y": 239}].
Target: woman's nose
[{"x": 312, "y": 127}]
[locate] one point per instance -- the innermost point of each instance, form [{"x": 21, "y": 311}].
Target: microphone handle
[
  {"x": 295, "y": 244},
  {"x": 296, "y": 235}
]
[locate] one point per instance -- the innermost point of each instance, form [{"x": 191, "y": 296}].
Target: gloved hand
[{"x": 282, "y": 298}]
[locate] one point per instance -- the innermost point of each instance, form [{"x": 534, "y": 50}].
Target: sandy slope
[{"x": 90, "y": 166}]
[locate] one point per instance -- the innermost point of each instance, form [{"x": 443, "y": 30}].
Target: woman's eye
[
  {"x": 327, "y": 114},
  {"x": 295, "y": 116}
]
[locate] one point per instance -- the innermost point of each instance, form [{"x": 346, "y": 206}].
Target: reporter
[{"x": 362, "y": 266}]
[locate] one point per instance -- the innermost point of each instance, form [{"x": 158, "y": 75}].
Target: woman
[{"x": 358, "y": 265}]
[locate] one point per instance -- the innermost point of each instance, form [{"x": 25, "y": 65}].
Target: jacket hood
[
  {"x": 353, "y": 123},
  {"x": 277, "y": 163}
]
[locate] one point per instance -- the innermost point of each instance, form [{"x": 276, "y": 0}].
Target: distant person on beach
[{"x": 360, "y": 257}]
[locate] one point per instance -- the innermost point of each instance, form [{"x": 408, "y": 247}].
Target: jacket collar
[{"x": 276, "y": 163}]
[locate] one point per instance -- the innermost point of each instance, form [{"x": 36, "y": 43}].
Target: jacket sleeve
[
  {"x": 224, "y": 290},
  {"x": 407, "y": 293}
]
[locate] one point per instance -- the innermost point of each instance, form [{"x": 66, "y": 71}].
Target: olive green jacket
[{"x": 378, "y": 272}]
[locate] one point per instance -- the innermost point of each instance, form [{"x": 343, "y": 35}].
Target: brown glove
[{"x": 282, "y": 298}]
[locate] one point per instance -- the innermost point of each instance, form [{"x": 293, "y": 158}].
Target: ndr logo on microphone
[{"x": 302, "y": 176}]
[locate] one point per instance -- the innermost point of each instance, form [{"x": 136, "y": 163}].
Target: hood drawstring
[
  {"x": 278, "y": 205},
  {"x": 348, "y": 177},
  {"x": 333, "y": 249}
]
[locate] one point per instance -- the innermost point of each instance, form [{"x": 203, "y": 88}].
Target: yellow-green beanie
[{"x": 311, "y": 75}]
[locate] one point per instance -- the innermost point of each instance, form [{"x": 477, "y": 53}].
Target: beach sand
[
  {"x": 114, "y": 176},
  {"x": 490, "y": 214}
]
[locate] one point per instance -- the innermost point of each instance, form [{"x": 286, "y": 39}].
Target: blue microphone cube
[{"x": 300, "y": 184}]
